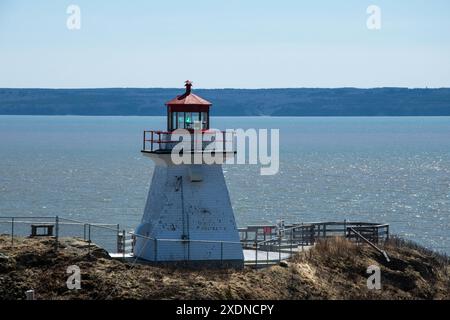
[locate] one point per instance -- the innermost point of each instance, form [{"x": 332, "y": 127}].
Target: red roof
[{"x": 188, "y": 98}]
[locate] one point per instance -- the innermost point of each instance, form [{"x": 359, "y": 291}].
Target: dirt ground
[{"x": 333, "y": 269}]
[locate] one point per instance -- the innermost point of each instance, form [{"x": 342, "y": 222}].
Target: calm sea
[{"x": 386, "y": 169}]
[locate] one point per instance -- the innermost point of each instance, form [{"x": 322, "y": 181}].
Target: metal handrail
[
  {"x": 289, "y": 235},
  {"x": 310, "y": 228},
  {"x": 183, "y": 240},
  {"x": 384, "y": 253},
  {"x": 158, "y": 140},
  {"x": 98, "y": 225}
]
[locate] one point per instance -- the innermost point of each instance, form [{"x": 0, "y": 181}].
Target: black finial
[{"x": 188, "y": 85}]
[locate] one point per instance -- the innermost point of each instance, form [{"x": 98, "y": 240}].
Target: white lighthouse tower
[{"x": 188, "y": 215}]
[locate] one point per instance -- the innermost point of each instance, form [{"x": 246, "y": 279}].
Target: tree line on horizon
[{"x": 230, "y": 102}]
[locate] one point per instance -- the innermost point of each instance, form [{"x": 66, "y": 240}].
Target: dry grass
[
  {"x": 334, "y": 269},
  {"x": 336, "y": 247}
]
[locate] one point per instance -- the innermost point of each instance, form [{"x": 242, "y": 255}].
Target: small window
[
  {"x": 173, "y": 124},
  {"x": 195, "y": 119},
  {"x": 204, "y": 120},
  {"x": 180, "y": 124},
  {"x": 188, "y": 121}
]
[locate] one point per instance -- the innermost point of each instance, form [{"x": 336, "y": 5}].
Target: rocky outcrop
[{"x": 333, "y": 269}]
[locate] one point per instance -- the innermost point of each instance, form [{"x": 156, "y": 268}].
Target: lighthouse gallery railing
[{"x": 154, "y": 140}]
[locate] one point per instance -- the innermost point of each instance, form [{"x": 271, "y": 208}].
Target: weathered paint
[{"x": 179, "y": 208}]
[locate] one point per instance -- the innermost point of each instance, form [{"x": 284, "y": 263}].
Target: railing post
[
  {"x": 12, "y": 231},
  {"x": 159, "y": 140},
  {"x": 118, "y": 238},
  {"x": 143, "y": 140},
  {"x": 56, "y": 232},
  {"x": 292, "y": 239},
  {"x": 124, "y": 243},
  {"x": 375, "y": 235},
  {"x": 256, "y": 253},
  {"x": 89, "y": 239},
  {"x": 345, "y": 227},
  {"x": 279, "y": 248},
  {"x": 303, "y": 237},
  {"x": 151, "y": 142}
]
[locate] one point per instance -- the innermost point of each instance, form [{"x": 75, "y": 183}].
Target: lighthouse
[{"x": 188, "y": 215}]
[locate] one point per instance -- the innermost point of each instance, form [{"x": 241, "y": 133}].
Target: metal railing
[
  {"x": 156, "y": 244},
  {"x": 154, "y": 140},
  {"x": 308, "y": 233},
  {"x": 281, "y": 243},
  {"x": 262, "y": 244},
  {"x": 357, "y": 233},
  {"x": 63, "y": 227}
]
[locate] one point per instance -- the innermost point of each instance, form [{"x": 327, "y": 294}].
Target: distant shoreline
[
  {"x": 222, "y": 116},
  {"x": 230, "y": 88},
  {"x": 302, "y": 102}
]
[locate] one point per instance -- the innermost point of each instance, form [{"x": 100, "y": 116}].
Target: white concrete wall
[{"x": 208, "y": 216}]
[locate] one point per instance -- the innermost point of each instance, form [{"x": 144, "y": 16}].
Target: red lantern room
[
  {"x": 185, "y": 110},
  {"x": 189, "y": 112}
]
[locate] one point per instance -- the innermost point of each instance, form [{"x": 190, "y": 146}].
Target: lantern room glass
[{"x": 186, "y": 120}]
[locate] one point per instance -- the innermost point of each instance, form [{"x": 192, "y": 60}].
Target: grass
[{"x": 334, "y": 269}]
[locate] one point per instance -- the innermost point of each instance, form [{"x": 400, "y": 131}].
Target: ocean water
[{"x": 383, "y": 169}]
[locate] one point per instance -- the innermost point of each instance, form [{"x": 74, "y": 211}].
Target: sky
[{"x": 224, "y": 44}]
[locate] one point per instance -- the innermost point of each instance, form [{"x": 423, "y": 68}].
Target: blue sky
[{"x": 223, "y": 44}]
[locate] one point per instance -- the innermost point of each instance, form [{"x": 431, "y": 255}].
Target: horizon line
[{"x": 222, "y": 88}]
